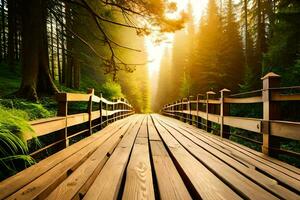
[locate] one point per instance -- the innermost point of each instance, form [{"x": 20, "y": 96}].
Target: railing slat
[
  {"x": 63, "y": 121},
  {"x": 257, "y": 99}
]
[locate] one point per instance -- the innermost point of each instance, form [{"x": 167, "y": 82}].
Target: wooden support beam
[
  {"x": 90, "y": 109},
  {"x": 224, "y": 110},
  {"x": 63, "y": 112},
  {"x": 190, "y": 116},
  {"x": 209, "y": 108},
  {"x": 271, "y": 111},
  {"x": 100, "y": 110}
]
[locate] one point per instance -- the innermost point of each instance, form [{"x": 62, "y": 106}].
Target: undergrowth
[{"x": 13, "y": 148}]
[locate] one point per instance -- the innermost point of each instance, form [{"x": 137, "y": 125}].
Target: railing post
[
  {"x": 63, "y": 112},
  {"x": 271, "y": 111},
  {"x": 208, "y": 109},
  {"x": 199, "y": 119},
  {"x": 100, "y": 110},
  {"x": 90, "y": 109},
  {"x": 184, "y": 107},
  {"x": 107, "y": 117},
  {"x": 181, "y": 110},
  {"x": 224, "y": 110},
  {"x": 190, "y": 110},
  {"x": 113, "y": 108}
]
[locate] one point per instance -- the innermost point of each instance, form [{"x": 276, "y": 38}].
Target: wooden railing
[
  {"x": 205, "y": 110},
  {"x": 85, "y": 123}
]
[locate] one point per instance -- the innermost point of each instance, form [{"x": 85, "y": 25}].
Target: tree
[
  {"x": 12, "y": 29},
  {"x": 232, "y": 55},
  {"x": 36, "y": 78},
  {"x": 208, "y": 74},
  {"x": 283, "y": 54}
]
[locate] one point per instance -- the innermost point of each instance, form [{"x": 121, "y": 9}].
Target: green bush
[
  {"x": 13, "y": 149},
  {"x": 111, "y": 90}
]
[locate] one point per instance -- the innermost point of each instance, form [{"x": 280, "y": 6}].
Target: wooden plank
[
  {"x": 170, "y": 184},
  {"x": 16, "y": 182},
  {"x": 285, "y": 129},
  {"x": 46, "y": 126},
  {"x": 249, "y": 124},
  {"x": 139, "y": 183},
  {"x": 41, "y": 187},
  {"x": 77, "y": 184},
  {"x": 279, "y": 165},
  {"x": 214, "y": 101},
  {"x": 143, "y": 132},
  {"x": 78, "y": 97},
  {"x": 285, "y": 97},
  {"x": 96, "y": 99},
  {"x": 257, "y": 99},
  {"x": 229, "y": 175},
  {"x": 76, "y": 119},
  {"x": 95, "y": 115},
  {"x": 107, "y": 183},
  {"x": 264, "y": 163},
  {"x": 231, "y": 160},
  {"x": 153, "y": 135},
  {"x": 211, "y": 117},
  {"x": 205, "y": 183}
]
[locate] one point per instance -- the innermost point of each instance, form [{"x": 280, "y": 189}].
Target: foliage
[
  {"x": 185, "y": 88},
  {"x": 13, "y": 149},
  {"x": 33, "y": 110},
  {"x": 9, "y": 80},
  {"x": 284, "y": 49},
  {"x": 111, "y": 89}
]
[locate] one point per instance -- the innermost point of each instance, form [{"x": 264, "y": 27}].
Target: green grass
[
  {"x": 13, "y": 149},
  {"x": 15, "y": 114},
  {"x": 33, "y": 110}
]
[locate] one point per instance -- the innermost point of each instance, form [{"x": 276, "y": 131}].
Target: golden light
[{"x": 155, "y": 51}]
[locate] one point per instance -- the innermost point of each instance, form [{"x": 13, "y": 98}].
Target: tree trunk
[
  {"x": 52, "y": 49},
  {"x": 36, "y": 79},
  {"x": 3, "y": 30},
  {"x": 76, "y": 65},
  {"x": 246, "y": 31},
  {"x": 57, "y": 52},
  {"x": 69, "y": 67},
  {"x": 12, "y": 30}
]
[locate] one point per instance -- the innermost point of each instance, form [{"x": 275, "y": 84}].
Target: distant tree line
[{"x": 234, "y": 46}]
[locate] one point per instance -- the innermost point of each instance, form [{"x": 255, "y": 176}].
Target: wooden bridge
[
  {"x": 132, "y": 156},
  {"x": 148, "y": 157}
]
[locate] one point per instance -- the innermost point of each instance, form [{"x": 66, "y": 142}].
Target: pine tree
[
  {"x": 232, "y": 55},
  {"x": 208, "y": 73},
  {"x": 283, "y": 54}
]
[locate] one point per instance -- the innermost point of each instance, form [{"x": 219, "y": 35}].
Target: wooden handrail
[
  {"x": 95, "y": 119},
  {"x": 217, "y": 112}
]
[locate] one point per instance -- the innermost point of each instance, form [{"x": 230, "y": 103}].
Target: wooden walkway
[{"x": 155, "y": 157}]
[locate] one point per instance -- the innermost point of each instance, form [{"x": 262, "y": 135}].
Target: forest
[
  {"x": 233, "y": 46},
  {"x": 52, "y": 46}
]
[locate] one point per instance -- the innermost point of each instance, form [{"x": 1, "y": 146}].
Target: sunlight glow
[{"x": 155, "y": 51}]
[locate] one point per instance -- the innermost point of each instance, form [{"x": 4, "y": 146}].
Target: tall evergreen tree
[
  {"x": 232, "y": 66},
  {"x": 283, "y": 54},
  {"x": 208, "y": 74}
]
